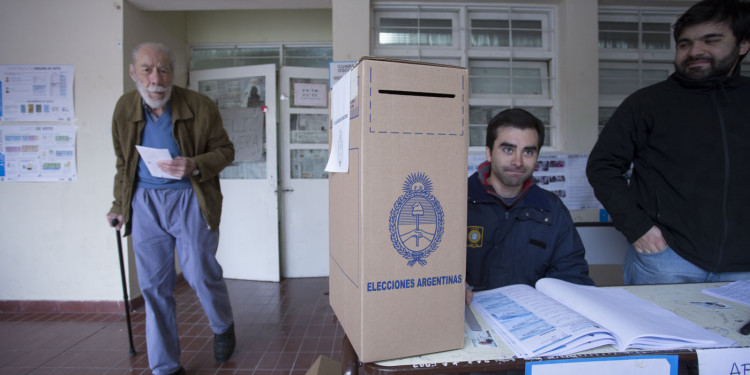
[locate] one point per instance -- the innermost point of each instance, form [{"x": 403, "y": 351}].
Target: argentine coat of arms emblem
[{"x": 417, "y": 220}]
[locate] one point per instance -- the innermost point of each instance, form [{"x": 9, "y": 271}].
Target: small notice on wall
[
  {"x": 565, "y": 175},
  {"x": 310, "y": 94}
]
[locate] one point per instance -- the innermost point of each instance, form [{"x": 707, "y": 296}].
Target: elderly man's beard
[{"x": 154, "y": 104}]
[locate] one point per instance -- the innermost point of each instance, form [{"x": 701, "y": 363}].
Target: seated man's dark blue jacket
[{"x": 531, "y": 240}]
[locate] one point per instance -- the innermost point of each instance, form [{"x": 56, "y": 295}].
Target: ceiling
[{"x": 178, "y": 5}]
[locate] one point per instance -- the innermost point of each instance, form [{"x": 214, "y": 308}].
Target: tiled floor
[{"x": 281, "y": 329}]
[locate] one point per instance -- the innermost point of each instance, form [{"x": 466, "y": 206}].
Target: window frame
[
  {"x": 461, "y": 53},
  {"x": 640, "y": 58},
  {"x": 280, "y": 59}
]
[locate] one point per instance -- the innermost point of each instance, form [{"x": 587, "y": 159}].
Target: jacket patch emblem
[
  {"x": 417, "y": 220},
  {"x": 474, "y": 236}
]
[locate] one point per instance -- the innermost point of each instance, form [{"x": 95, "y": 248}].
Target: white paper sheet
[
  {"x": 724, "y": 361},
  {"x": 738, "y": 291},
  {"x": 152, "y": 155},
  {"x": 338, "y": 160}
]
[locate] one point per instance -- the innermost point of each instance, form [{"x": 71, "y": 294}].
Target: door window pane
[
  {"x": 241, "y": 101},
  {"x": 308, "y": 128},
  {"x": 309, "y": 163}
]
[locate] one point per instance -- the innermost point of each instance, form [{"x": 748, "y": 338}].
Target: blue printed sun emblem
[{"x": 416, "y": 222}]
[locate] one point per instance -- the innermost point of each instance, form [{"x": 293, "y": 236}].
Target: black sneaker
[
  {"x": 180, "y": 371},
  {"x": 224, "y": 344}
]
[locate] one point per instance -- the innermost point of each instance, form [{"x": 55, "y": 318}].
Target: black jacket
[{"x": 689, "y": 143}]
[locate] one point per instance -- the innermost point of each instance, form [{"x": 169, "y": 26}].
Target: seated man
[{"x": 518, "y": 232}]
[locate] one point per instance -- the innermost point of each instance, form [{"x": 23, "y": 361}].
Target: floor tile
[{"x": 281, "y": 329}]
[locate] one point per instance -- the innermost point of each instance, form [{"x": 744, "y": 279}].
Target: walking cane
[{"x": 124, "y": 288}]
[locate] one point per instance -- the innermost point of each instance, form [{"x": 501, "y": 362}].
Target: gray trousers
[{"x": 163, "y": 219}]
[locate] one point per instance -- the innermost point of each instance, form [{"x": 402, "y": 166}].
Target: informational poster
[
  {"x": 36, "y": 93},
  {"x": 38, "y": 153},
  {"x": 565, "y": 175}
]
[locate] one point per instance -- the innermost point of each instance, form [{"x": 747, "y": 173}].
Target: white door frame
[
  {"x": 249, "y": 240},
  {"x": 304, "y": 201}
]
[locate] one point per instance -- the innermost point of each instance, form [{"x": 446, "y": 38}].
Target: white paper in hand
[{"x": 150, "y": 156}]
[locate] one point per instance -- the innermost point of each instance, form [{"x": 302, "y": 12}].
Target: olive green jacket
[{"x": 198, "y": 129}]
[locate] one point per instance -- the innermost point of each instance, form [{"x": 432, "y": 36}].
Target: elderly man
[{"x": 181, "y": 210}]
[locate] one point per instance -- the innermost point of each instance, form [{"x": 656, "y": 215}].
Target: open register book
[{"x": 559, "y": 318}]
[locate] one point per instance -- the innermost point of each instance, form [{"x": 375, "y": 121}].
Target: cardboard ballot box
[{"x": 399, "y": 136}]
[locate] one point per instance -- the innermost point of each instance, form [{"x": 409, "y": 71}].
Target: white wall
[
  {"x": 55, "y": 242},
  {"x": 578, "y": 83},
  {"x": 168, "y": 28},
  {"x": 351, "y": 29}
]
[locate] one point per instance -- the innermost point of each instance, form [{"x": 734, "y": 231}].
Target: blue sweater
[{"x": 158, "y": 134}]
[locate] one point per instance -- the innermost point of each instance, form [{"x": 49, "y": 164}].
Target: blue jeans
[
  {"x": 162, "y": 221},
  {"x": 666, "y": 267}
]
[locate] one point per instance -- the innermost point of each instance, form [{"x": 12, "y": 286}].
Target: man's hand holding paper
[
  {"x": 178, "y": 167},
  {"x": 161, "y": 164}
]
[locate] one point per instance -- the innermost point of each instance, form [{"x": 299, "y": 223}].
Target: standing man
[
  {"x": 518, "y": 232},
  {"x": 688, "y": 139},
  {"x": 163, "y": 212}
]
